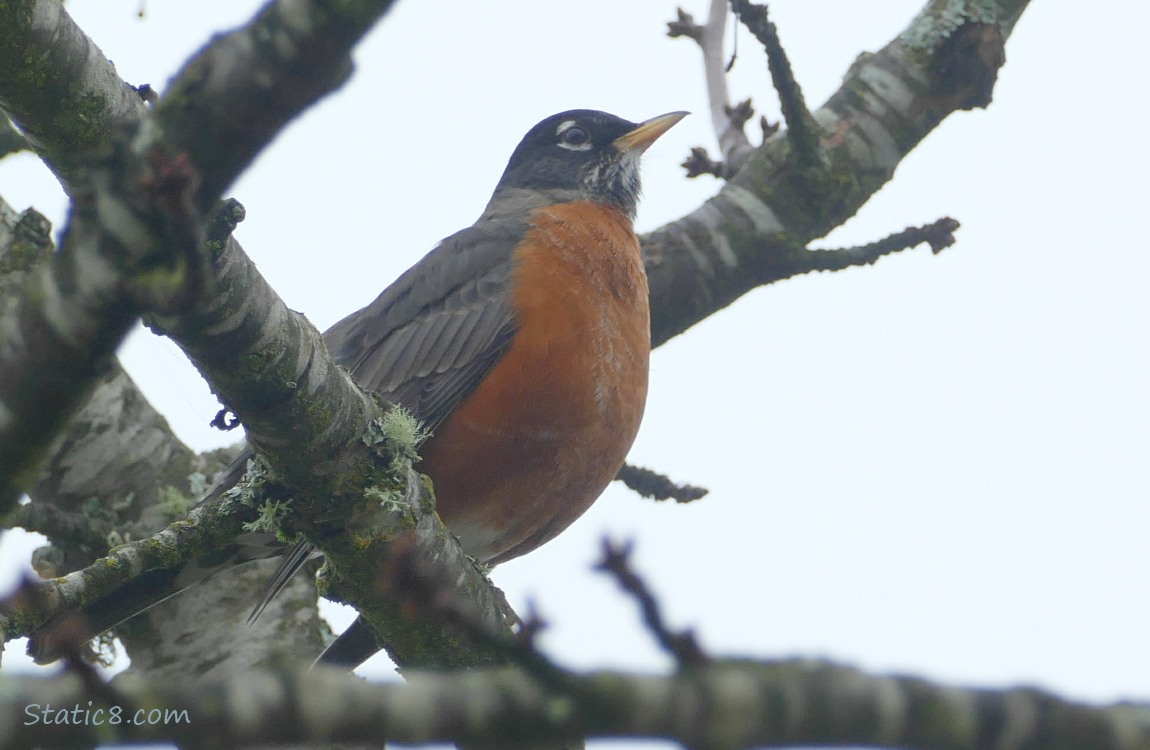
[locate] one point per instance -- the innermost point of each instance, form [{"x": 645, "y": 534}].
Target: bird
[{"x": 521, "y": 343}]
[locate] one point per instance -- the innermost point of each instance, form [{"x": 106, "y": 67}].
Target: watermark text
[{"x": 94, "y": 716}]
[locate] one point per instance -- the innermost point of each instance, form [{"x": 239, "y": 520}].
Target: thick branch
[
  {"x": 728, "y": 704},
  {"x": 58, "y": 86},
  {"x": 132, "y": 243},
  {"x": 288, "y": 397},
  {"x": 230, "y": 100},
  {"x": 118, "y": 452},
  {"x": 236, "y": 94},
  {"x": 120, "y": 473},
  {"x": 11, "y": 140},
  {"x": 306, "y": 416},
  {"x": 310, "y": 419},
  {"x": 206, "y": 527}
]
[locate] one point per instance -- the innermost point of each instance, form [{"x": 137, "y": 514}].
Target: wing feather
[{"x": 429, "y": 339}]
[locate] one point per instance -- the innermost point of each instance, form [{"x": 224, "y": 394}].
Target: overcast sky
[{"x": 936, "y": 465}]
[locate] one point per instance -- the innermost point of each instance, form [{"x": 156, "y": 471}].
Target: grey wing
[{"x": 430, "y": 338}]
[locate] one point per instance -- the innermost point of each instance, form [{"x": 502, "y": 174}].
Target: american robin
[{"x": 521, "y": 343}]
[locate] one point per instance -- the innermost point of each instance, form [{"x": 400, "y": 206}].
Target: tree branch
[
  {"x": 58, "y": 86},
  {"x": 803, "y": 130},
  {"x": 314, "y": 426},
  {"x": 120, "y": 473},
  {"x": 651, "y": 484},
  {"x": 132, "y": 243},
  {"x": 616, "y": 562},
  {"x": 237, "y": 93},
  {"x": 751, "y": 232},
  {"x": 205, "y": 527},
  {"x": 733, "y": 142},
  {"x": 11, "y": 141},
  {"x": 939, "y": 236},
  {"x": 727, "y": 704}
]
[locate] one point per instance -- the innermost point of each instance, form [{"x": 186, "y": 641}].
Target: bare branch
[
  {"x": 226, "y": 104},
  {"x": 73, "y": 528},
  {"x": 756, "y": 229},
  {"x": 654, "y": 485},
  {"x": 11, "y": 141},
  {"x": 25, "y": 244},
  {"x": 682, "y": 646},
  {"x": 423, "y": 588},
  {"x": 733, "y": 142},
  {"x": 132, "y": 243},
  {"x": 938, "y": 236},
  {"x": 118, "y": 459},
  {"x": 740, "y": 114},
  {"x": 803, "y": 130},
  {"x": 237, "y": 93},
  {"x": 733, "y": 704},
  {"x": 965, "y": 49},
  {"x": 206, "y": 527},
  {"x": 700, "y": 163},
  {"x": 77, "y": 98},
  {"x": 684, "y": 25}
]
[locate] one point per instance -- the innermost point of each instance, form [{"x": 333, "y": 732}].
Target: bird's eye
[{"x": 574, "y": 136}]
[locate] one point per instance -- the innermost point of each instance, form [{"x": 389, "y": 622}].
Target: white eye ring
[{"x": 573, "y": 136}]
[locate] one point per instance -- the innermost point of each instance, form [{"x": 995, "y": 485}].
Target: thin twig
[
  {"x": 733, "y": 141},
  {"x": 424, "y": 590},
  {"x": 682, "y": 646},
  {"x": 651, "y": 484},
  {"x": 804, "y": 131},
  {"x": 701, "y": 163},
  {"x": 939, "y": 235}
]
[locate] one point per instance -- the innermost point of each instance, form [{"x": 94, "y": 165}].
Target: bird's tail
[{"x": 353, "y": 647}]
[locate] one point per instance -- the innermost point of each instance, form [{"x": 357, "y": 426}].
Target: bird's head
[{"x": 582, "y": 154}]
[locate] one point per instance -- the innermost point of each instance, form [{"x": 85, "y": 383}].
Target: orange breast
[{"x": 547, "y": 430}]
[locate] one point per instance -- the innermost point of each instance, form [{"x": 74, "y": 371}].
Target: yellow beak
[{"x": 648, "y": 132}]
